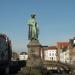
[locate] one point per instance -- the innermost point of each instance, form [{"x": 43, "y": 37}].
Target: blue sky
[{"x": 56, "y": 19}]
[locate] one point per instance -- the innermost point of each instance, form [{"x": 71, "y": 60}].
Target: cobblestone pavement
[
  {"x": 52, "y": 74},
  {"x": 47, "y": 74}
]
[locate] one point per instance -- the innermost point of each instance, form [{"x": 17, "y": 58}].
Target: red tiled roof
[
  {"x": 62, "y": 43},
  {"x": 52, "y": 47}
]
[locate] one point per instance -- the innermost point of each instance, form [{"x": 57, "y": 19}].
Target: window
[
  {"x": 50, "y": 58},
  {"x": 50, "y": 54}
]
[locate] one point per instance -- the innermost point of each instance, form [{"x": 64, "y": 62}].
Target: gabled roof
[
  {"x": 63, "y": 43},
  {"x": 52, "y": 47}
]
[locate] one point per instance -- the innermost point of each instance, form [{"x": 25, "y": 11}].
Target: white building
[
  {"x": 63, "y": 52},
  {"x": 72, "y": 51},
  {"x": 50, "y": 54},
  {"x": 62, "y": 57},
  {"x": 65, "y": 56},
  {"x": 23, "y": 56}
]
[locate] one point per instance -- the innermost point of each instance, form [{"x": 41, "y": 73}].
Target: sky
[{"x": 56, "y": 20}]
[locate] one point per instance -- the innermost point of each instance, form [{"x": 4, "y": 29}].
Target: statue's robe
[{"x": 33, "y": 29}]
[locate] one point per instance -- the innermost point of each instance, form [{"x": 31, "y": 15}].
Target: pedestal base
[
  {"x": 29, "y": 71},
  {"x": 34, "y": 59},
  {"x": 34, "y": 62}
]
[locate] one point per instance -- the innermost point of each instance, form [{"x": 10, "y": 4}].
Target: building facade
[
  {"x": 64, "y": 56},
  {"x": 50, "y": 54},
  {"x": 63, "y": 52},
  {"x": 72, "y": 50},
  {"x": 15, "y": 56},
  {"x": 23, "y": 56}
]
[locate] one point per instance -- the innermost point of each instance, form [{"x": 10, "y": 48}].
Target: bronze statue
[{"x": 33, "y": 28}]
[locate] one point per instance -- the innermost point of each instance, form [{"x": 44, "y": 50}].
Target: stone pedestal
[
  {"x": 34, "y": 62},
  {"x": 34, "y": 58}
]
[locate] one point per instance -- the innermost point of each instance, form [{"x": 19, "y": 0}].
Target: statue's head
[{"x": 33, "y": 15}]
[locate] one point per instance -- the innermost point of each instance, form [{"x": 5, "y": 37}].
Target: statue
[
  {"x": 33, "y": 28},
  {"x": 34, "y": 47}
]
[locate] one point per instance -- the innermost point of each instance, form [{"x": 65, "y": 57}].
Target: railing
[{"x": 58, "y": 64}]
